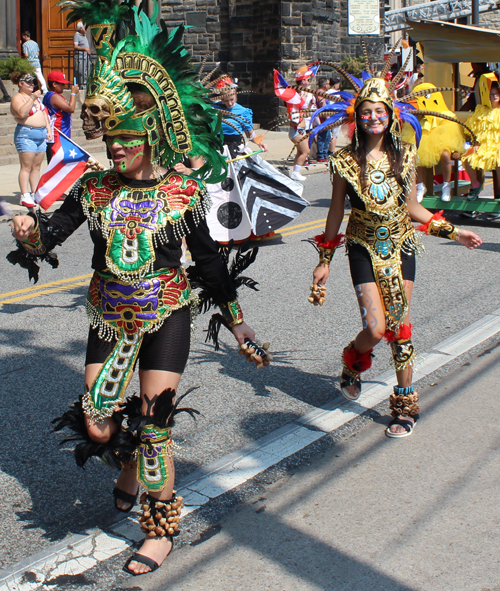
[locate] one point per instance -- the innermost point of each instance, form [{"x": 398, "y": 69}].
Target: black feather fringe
[
  {"x": 117, "y": 451},
  {"x": 164, "y": 411},
  {"x": 208, "y": 295},
  {"x": 49, "y": 237}
]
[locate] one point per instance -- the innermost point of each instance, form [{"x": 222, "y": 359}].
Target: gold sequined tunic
[{"x": 380, "y": 223}]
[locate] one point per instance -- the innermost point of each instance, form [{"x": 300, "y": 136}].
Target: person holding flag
[{"x": 58, "y": 108}]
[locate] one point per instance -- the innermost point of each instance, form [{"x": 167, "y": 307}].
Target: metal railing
[
  {"x": 440, "y": 10},
  {"x": 79, "y": 66}
]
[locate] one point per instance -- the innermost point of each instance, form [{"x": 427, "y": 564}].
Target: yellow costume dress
[
  {"x": 438, "y": 134},
  {"x": 485, "y": 123}
]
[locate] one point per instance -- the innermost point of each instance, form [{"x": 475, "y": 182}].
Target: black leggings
[
  {"x": 167, "y": 349},
  {"x": 361, "y": 268}
]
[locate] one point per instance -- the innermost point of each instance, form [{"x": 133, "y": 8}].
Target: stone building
[{"x": 252, "y": 37}]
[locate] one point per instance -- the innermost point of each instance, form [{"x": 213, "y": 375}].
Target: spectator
[
  {"x": 334, "y": 88},
  {"x": 241, "y": 124},
  {"x": 323, "y": 138},
  {"x": 474, "y": 98},
  {"x": 58, "y": 108},
  {"x": 82, "y": 53},
  {"x": 6, "y": 95},
  {"x": 31, "y": 52},
  {"x": 299, "y": 124},
  {"x": 416, "y": 77},
  {"x": 32, "y": 131}
]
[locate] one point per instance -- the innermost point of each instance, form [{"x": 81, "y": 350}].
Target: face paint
[
  {"x": 381, "y": 120},
  {"x": 127, "y": 154}
]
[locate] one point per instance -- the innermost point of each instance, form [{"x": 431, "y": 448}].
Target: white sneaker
[
  {"x": 27, "y": 200},
  {"x": 446, "y": 192},
  {"x": 296, "y": 176},
  {"x": 421, "y": 191}
]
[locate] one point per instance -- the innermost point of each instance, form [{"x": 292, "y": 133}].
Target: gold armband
[
  {"x": 33, "y": 244},
  {"x": 326, "y": 248},
  {"x": 232, "y": 313},
  {"x": 439, "y": 226}
]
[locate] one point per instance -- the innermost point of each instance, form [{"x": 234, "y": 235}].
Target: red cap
[{"x": 58, "y": 77}]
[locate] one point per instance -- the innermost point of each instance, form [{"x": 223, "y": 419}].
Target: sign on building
[{"x": 364, "y": 17}]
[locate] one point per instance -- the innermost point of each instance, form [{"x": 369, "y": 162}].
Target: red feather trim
[
  {"x": 437, "y": 216},
  {"x": 320, "y": 241},
  {"x": 402, "y": 334},
  {"x": 358, "y": 361}
]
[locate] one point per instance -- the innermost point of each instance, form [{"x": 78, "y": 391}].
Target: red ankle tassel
[
  {"x": 358, "y": 361},
  {"x": 437, "y": 216},
  {"x": 402, "y": 334}
]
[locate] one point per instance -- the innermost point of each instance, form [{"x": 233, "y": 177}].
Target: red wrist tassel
[
  {"x": 320, "y": 241},
  {"x": 402, "y": 334},
  {"x": 358, "y": 361},
  {"x": 437, "y": 216}
]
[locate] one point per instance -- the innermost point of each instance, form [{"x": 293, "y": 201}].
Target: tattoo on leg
[{"x": 367, "y": 306}]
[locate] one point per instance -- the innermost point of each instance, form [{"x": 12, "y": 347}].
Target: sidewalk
[
  {"x": 373, "y": 513},
  {"x": 279, "y": 147}
]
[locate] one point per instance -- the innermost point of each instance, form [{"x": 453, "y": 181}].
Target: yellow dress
[
  {"x": 438, "y": 135},
  {"x": 485, "y": 123}
]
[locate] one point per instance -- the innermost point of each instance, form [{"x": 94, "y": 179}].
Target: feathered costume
[
  {"x": 380, "y": 238},
  {"x": 485, "y": 122},
  {"x": 438, "y": 134},
  {"x": 137, "y": 226}
]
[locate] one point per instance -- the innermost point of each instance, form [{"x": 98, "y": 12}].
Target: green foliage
[
  {"x": 353, "y": 65},
  {"x": 15, "y": 64}
]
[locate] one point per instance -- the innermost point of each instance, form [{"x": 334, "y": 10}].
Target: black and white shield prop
[{"x": 255, "y": 197}]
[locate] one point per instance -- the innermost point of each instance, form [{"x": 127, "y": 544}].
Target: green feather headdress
[{"x": 133, "y": 49}]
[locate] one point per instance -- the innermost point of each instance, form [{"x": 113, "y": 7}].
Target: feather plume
[{"x": 387, "y": 65}]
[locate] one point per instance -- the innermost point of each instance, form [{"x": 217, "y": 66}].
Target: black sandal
[
  {"x": 405, "y": 423},
  {"x": 153, "y": 565},
  {"x": 125, "y": 497},
  {"x": 348, "y": 377}
]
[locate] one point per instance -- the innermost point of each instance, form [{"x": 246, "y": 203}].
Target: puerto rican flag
[
  {"x": 65, "y": 168},
  {"x": 291, "y": 97}
]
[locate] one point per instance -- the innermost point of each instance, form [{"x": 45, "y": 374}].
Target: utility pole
[{"x": 475, "y": 12}]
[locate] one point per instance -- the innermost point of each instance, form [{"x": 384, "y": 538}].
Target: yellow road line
[
  {"x": 36, "y": 291},
  {"x": 41, "y": 293},
  {"x": 38, "y": 287}
]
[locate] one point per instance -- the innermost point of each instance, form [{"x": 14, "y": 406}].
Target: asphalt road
[{"x": 44, "y": 496}]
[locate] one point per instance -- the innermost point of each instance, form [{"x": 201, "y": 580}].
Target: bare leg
[
  {"x": 35, "y": 170},
  {"x": 473, "y": 174},
  {"x": 333, "y": 144},
  {"x": 26, "y": 159},
  {"x": 302, "y": 152},
  {"x": 373, "y": 319},
  {"x": 154, "y": 382},
  {"x": 446, "y": 166}
]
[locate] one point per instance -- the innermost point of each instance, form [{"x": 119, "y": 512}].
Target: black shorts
[
  {"x": 361, "y": 268},
  {"x": 167, "y": 349}
]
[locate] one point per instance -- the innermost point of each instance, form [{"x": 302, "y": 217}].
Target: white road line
[{"x": 79, "y": 553}]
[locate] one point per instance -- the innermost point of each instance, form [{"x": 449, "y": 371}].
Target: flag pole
[
  {"x": 80, "y": 148},
  {"x": 246, "y": 156}
]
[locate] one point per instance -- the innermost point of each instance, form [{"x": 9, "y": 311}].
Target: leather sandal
[
  {"x": 349, "y": 377},
  {"x": 153, "y": 565},
  {"x": 408, "y": 425},
  {"x": 125, "y": 497}
]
